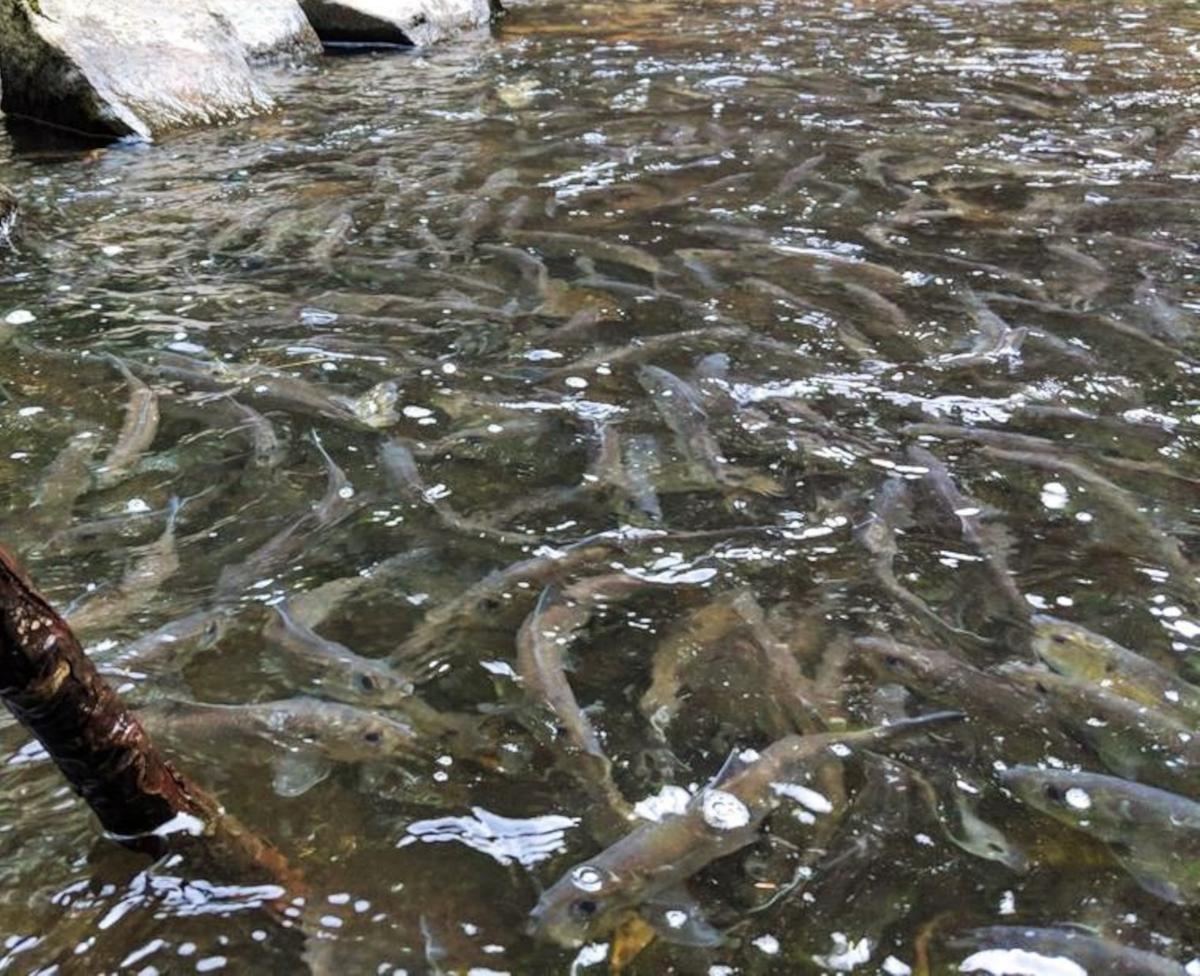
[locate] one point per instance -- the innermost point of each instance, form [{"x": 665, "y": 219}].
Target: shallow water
[{"x": 823, "y": 192}]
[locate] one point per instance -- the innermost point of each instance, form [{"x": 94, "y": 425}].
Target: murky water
[{"x": 829, "y": 222}]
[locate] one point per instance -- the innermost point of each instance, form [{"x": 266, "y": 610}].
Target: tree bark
[{"x": 99, "y": 745}]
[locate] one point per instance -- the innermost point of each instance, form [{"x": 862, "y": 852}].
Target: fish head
[
  {"x": 380, "y": 685},
  {"x": 585, "y": 902},
  {"x": 913, "y": 667},
  {"x": 1068, "y": 649},
  {"x": 1069, "y": 797},
  {"x": 379, "y": 738}
]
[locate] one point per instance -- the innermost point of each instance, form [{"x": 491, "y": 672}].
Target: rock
[
  {"x": 268, "y": 28},
  {"x": 407, "y": 22},
  {"x": 138, "y": 68}
]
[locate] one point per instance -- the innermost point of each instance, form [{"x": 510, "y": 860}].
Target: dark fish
[
  {"x": 891, "y": 511},
  {"x": 1154, "y": 834},
  {"x": 1133, "y": 740},
  {"x": 1077, "y": 652},
  {"x": 682, "y": 411},
  {"x": 983, "y": 538},
  {"x": 992, "y": 949}
]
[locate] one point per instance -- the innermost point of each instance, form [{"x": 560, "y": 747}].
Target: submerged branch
[{"x": 141, "y": 800}]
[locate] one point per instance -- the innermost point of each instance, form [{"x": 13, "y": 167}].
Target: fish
[
  {"x": 168, "y": 648},
  {"x": 996, "y": 340},
  {"x": 272, "y": 388},
  {"x": 340, "y": 672},
  {"x": 1087, "y": 277},
  {"x": 1073, "y": 650},
  {"x": 725, "y": 816},
  {"x": 965, "y": 829},
  {"x": 268, "y": 451},
  {"x": 794, "y": 694},
  {"x": 1012, "y": 441},
  {"x": 992, "y": 701},
  {"x": 695, "y": 635},
  {"x": 138, "y": 430},
  {"x": 646, "y": 348},
  {"x": 339, "y": 502},
  {"x": 681, "y": 409},
  {"x": 891, "y": 510},
  {"x": 439, "y": 634},
  {"x": 1122, "y": 505},
  {"x": 568, "y": 244},
  {"x": 642, "y": 461},
  {"x": 1154, "y": 834},
  {"x": 315, "y": 735},
  {"x": 313, "y": 607},
  {"x": 153, "y": 566},
  {"x": 984, "y": 539},
  {"x": 632, "y": 494},
  {"x": 400, "y": 468},
  {"x": 66, "y": 479},
  {"x": 993, "y": 948},
  {"x": 542, "y": 642},
  {"x": 1133, "y": 740}
]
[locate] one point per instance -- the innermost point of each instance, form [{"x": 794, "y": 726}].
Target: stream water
[{"x": 697, "y": 284}]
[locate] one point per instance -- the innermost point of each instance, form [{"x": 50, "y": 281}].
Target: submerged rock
[
  {"x": 406, "y": 22},
  {"x": 141, "y": 67}
]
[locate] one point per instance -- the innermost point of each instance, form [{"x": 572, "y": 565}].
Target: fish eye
[
  {"x": 489, "y": 603},
  {"x": 1054, "y": 793},
  {"x": 372, "y": 737},
  {"x": 1059, "y": 638},
  {"x": 892, "y": 661},
  {"x": 365, "y": 682},
  {"x": 584, "y": 908}
]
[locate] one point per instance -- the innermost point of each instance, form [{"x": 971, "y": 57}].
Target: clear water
[{"x": 813, "y": 189}]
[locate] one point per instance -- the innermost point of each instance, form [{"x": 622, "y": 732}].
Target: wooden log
[{"x": 141, "y": 800}]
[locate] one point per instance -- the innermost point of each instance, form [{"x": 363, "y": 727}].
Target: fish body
[
  {"x": 439, "y": 632},
  {"x": 722, "y": 818},
  {"x": 1084, "y": 655},
  {"x": 891, "y": 511},
  {"x": 154, "y": 565},
  {"x": 341, "y": 673},
  {"x": 682, "y": 410},
  {"x": 1153, "y": 833},
  {"x": 400, "y": 468},
  {"x": 983, "y": 538},
  {"x": 65, "y": 480},
  {"x": 138, "y": 430},
  {"x": 1093, "y": 954},
  {"x": 338, "y": 502},
  {"x": 341, "y": 733},
  {"x": 990, "y": 699},
  {"x": 169, "y": 645},
  {"x": 1133, "y": 740}
]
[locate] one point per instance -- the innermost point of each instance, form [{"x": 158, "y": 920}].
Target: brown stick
[{"x": 141, "y": 800}]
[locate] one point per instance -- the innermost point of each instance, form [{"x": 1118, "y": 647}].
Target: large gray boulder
[
  {"x": 408, "y": 22},
  {"x": 141, "y": 67},
  {"x": 268, "y": 28}
]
